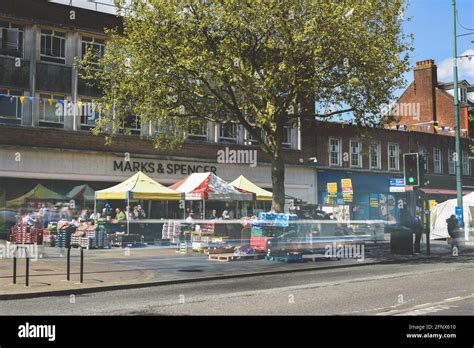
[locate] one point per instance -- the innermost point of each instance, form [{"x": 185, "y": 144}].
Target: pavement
[{"x": 113, "y": 269}]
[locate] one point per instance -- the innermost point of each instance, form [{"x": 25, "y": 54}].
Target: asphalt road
[{"x": 431, "y": 288}]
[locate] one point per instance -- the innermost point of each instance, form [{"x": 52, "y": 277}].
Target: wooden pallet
[
  {"x": 286, "y": 259},
  {"x": 234, "y": 257}
]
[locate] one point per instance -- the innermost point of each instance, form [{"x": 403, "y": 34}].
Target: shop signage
[
  {"x": 374, "y": 202},
  {"x": 346, "y": 186},
  {"x": 162, "y": 168},
  {"x": 397, "y": 185},
  {"x": 332, "y": 188},
  {"x": 459, "y": 214}
]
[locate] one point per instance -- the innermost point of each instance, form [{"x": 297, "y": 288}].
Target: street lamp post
[{"x": 456, "y": 119}]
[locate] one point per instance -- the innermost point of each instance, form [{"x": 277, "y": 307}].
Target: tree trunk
[{"x": 278, "y": 183}]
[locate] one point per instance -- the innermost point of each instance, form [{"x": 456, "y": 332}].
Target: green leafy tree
[{"x": 262, "y": 64}]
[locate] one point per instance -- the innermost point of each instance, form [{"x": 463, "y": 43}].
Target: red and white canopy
[{"x": 208, "y": 186}]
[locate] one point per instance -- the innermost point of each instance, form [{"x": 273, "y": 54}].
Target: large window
[
  {"x": 228, "y": 133},
  {"x": 198, "y": 129},
  {"x": 96, "y": 46},
  {"x": 375, "y": 155},
  {"x": 466, "y": 163},
  {"x": 10, "y": 104},
  {"x": 52, "y": 109},
  {"x": 11, "y": 40},
  {"x": 451, "y": 162},
  {"x": 53, "y": 46},
  {"x": 393, "y": 156},
  {"x": 438, "y": 161},
  {"x": 334, "y": 151},
  {"x": 356, "y": 158}
]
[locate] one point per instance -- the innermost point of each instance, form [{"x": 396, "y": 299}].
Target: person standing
[
  {"x": 418, "y": 231},
  {"x": 452, "y": 225}
]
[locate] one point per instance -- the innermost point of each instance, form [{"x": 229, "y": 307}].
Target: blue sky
[{"x": 432, "y": 26}]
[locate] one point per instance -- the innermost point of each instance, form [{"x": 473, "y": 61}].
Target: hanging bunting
[
  {"x": 31, "y": 99},
  {"x": 398, "y": 126},
  {"x": 51, "y": 102},
  {"x": 436, "y": 129},
  {"x": 442, "y": 128},
  {"x": 61, "y": 102},
  {"x": 22, "y": 99}
]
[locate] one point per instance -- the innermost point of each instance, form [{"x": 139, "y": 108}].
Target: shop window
[
  {"x": 11, "y": 40},
  {"x": 131, "y": 123},
  {"x": 250, "y": 139},
  {"x": 393, "y": 156},
  {"x": 11, "y": 108},
  {"x": 198, "y": 129},
  {"x": 356, "y": 158},
  {"x": 228, "y": 133},
  {"x": 438, "y": 161},
  {"x": 451, "y": 163},
  {"x": 466, "y": 163},
  {"x": 334, "y": 151},
  {"x": 53, "y": 46},
  {"x": 52, "y": 110},
  {"x": 374, "y": 155}
]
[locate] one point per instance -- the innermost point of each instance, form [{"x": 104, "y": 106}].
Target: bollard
[
  {"x": 14, "y": 268},
  {"x": 69, "y": 263},
  {"x": 82, "y": 265},
  {"x": 27, "y": 273}
]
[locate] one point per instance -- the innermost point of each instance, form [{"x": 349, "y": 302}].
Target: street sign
[
  {"x": 397, "y": 185},
  {"x": 459, "y": 214}
]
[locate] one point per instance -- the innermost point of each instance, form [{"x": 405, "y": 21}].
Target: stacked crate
[
  {"x": 22, "y": 233},
  {"x": 63, "y": 237}
]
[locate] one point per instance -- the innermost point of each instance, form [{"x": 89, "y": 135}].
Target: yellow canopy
[
  {"x": 39, "y": 192},
  {"x": 139, "y": 186},
  {"x": 245, "y": 184}
]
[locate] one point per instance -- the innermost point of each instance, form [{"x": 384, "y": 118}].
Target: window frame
[
  {"x": 379, "y": 162},
  {"x": 397, "y": 157},
  {"x": 44, "y": 57},
  {"x": 466, "y": 163},
  {"x": 42, "y": 111},
  {"x": 228, "y": 140},
  {"x": 199, "y": 137},
  {"x": 339, "y": 151},
  {"x": 18, "y": 105},
  {"x": 20, "y": 46},
  {"x": 358, "y": 154},
  {"x": 451, "y": 162}
]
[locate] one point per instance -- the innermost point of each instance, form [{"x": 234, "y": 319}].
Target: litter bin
[{"x": 401, "y": 240}]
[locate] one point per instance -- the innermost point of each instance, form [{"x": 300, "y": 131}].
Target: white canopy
[{"x": 442, "y": 211}]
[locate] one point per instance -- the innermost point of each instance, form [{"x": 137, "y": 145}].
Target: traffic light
[{"x": 411, "y": 169}]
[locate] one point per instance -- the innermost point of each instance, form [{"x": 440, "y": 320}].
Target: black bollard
[
  {"x": 14, "y": 269},
  {"x": 69, "y": 263},
  {"x": 82, "y": 265},
  {"x": 27, "y": 273}
]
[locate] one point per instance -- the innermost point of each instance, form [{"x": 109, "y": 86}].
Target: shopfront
[{"x": 371, "y": 197}]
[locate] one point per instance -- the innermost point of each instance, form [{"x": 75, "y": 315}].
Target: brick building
[
  {"x": 428, "y": 104},
  {"x": 38, "y": 145}
]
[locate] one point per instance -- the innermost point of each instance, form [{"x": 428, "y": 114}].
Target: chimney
[{"x": 426, "y": 80}]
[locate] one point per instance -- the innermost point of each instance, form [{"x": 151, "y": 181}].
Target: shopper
[
  {"x": 418, "y": 231},
  {"x": 213, "y": 214},
  {"x": 225, "y": 215},
  {"x": 452, "y": 225}
]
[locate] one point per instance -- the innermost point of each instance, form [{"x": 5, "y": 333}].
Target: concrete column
[
  {"x": 72, "y": 121},
  {"x": 31, "y": 51}
]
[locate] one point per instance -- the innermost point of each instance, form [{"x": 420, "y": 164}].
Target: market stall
[
  {"x": 261, "y": 196},
  {"x": 208, "y": 187},
  {"x": 39, "y": 193},
  {"x": 82, "y": 194},
  {"x": 137, "y": 187}
]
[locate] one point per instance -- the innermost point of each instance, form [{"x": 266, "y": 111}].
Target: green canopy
[
  {"x": 38, "y": 193},
  {"x": 82, "y": 193}
]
